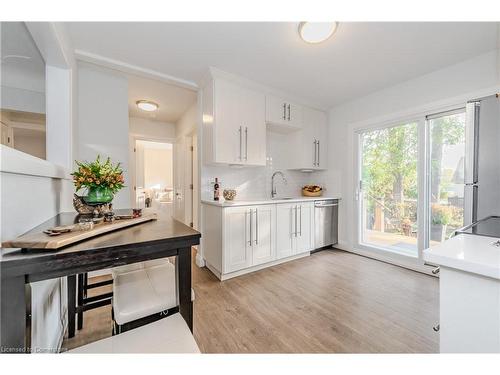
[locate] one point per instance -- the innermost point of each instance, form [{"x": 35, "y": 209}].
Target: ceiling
[
  {"x": 360, "y": 58},
  {"x": 173, "y": 101},
  {"x": 22, "y": 64}
]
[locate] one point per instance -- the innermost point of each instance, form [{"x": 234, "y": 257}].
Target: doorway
[
  {"x": 411, "y": 184},
  {"x": 154, "y": 175}
]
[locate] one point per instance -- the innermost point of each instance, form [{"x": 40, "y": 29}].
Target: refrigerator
[{"x": 482, "y": 161}]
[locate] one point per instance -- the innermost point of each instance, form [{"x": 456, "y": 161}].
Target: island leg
[
  {"x": 14, "y": 315},
  {"x": 71, "y": 305},
  {"x": 183, "y": 268}
]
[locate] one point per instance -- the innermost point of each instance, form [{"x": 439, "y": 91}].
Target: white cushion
[
  {"x": 135, "y": 296},
  {"x": 168, "y": 335},
  {"x": 155, "y": 262},
  {"x": 139, "y": 266}
]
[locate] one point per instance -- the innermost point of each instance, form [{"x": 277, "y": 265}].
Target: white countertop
[
  {"x": 251, "y": 202},
  {"x": 469, "y": 253}
]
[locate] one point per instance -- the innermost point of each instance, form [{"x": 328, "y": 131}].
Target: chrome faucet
[{"x": 273, "y": 187}]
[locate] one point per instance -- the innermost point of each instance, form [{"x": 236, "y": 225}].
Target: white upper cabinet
[
  {"x": 309, "y": 144},
  {"x": 234, "y": 126},
  {"x": 283, "y": 115}
]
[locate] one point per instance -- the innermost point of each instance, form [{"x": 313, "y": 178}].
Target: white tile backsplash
[{"x": 255, "y": 182}]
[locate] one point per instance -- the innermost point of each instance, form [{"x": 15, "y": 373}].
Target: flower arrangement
[{"x": 99, "y": 177}]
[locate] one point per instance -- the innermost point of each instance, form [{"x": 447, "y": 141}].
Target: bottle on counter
[{"x": 216, "y": 189}]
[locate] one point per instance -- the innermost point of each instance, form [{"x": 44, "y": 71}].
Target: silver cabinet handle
[
  {"x": 240, "y": 142},
  {"x": 435, "y": 271},
  {"x": 314, "y": 163},
  {"x": 256, "y": 227},
  {"x": 319, "y": 155},
  {"x": 246, "y": 143},
  {"x": 295, "y": 208},
  {"x": 326, "y": 205},
  {"x": 288, "y": 112},
  {"x": 284, "y": 111},
  {"x": 251, "y": 228},
  {"x": 300, "y": 221}
]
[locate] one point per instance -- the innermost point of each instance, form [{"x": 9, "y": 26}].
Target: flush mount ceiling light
[
  {"x": 317, "y": 32},
  {"x": 147, "y": 105}
]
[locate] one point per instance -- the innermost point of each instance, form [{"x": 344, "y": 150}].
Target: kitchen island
[
  {"x": 469, "y": 269},
  {"x": 156, "y": 239}
]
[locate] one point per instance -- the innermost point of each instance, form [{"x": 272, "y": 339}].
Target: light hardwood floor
[{"x": 330, "y": 302}]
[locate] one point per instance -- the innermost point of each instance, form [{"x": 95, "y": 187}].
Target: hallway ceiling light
[
  {"x": 317, "y": 32},
  {"x": 147, "y": 105}
]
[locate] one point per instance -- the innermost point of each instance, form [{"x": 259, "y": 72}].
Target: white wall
[
  {"x": 255, "y": 182},
  {"x": 33, "y": 194},
  {"x": 187, "y": 122},
  {"x": 103, "y": 121},
  {"x": 151, "y": 129},
  {"x": 439, "y": 88}
]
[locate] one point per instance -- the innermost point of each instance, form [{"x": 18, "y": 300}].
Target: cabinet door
[
  {"x": 285, "y": 230},
  {"x": 304, "y": 239},
  {"x": 263, "y": 247},
  {"x": 237, "y": 250},
  {"x": 253, "y": 122},
  {"x": 303, "y": 142},
  {"x": 322, "y": 137},
  {"x": 276, "y": 110},
  {"x": 294, "y": 114},
  {"x": 229, "y": 128}
]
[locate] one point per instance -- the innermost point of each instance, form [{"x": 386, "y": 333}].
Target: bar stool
[
  {"x": 144, "y": 295},
  {"x": 169, "y": 335}
]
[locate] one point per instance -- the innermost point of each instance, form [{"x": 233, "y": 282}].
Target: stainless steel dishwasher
[{"x": 326, "y": 217}]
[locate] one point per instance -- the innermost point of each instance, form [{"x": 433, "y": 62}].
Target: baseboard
[
  {"x": 414, "y": 267},
  {"x": 230, "y": 275}
]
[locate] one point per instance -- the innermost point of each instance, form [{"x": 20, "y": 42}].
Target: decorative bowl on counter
[
  {"x": 229, "y": 194},
  {"x": 312, "y": 191}
]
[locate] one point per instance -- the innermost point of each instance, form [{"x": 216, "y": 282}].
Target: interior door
[
  {"x": 237, "y": 239},
  {"x": 263, "y": 247},
  {"x": 285, "y": 230},
  {"x": 179, "y": 177}
]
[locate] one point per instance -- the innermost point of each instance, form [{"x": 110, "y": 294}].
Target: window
[{"x": 411, "y": 183}]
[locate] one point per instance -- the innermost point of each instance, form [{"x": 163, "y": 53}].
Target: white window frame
[{"x": 423, "y": 170}]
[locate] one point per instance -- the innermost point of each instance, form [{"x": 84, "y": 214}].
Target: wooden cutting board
[{"x": 44, "y": 241}]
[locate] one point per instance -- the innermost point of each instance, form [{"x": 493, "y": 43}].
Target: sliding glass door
[
  {"x": 389, "y": 190},
  {"x": 411, "y": 183},
  {"x": 447, "y": 168}
]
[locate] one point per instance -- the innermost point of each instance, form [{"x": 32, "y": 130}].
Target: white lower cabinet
[
  {"x": 249, "y": 236},
  {"x": 241, "y": 239},
  {"x": 294, "y": 228},
  {"x": 469, "y": 312}
]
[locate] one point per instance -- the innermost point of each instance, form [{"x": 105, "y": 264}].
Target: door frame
[
  {"x": 132, "y": 159},
  {"x": 423, "y": 184}
]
